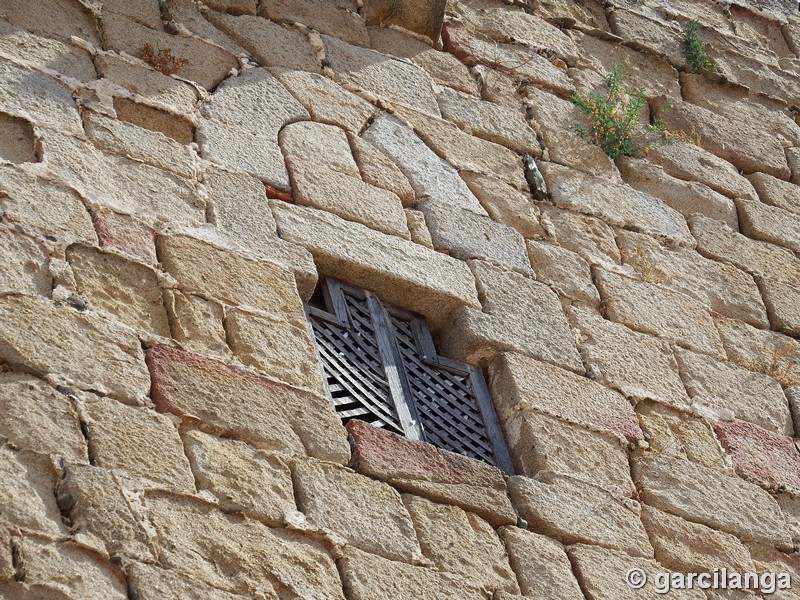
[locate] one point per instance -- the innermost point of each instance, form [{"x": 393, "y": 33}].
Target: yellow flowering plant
[{"x": 616, "y": 119}]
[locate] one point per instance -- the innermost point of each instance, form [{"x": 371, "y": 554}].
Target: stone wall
[{"x": 176, "y": 177}]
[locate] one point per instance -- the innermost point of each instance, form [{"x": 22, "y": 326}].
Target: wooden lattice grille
[{"x": 381, "y": 366}]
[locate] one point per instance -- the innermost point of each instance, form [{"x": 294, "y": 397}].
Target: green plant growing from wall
[
  {"x": 616, "y": 119},
  {"x": 696, "y": 58}
]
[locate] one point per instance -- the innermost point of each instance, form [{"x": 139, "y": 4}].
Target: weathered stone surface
[
  {"x": 541, "y": 565},
  {"x": 306, "y": 144},
  {"x": 17, "y": 140},
  {"x": 378, "y": 169},
  {"x": 442, "y": 67},
  {"x": 687, "y": 197},
  {"x": 519, "y": 383},
  {"x": 235, "y": 194},
  {"x": 461, "y": 543},
  {"x": 681, "y": 545},
  {"x": 659, "y": 311},
  {"x": 66, "y": 570},
  {"x": 489, "y": 121},
  {"x": 520, "y": 315},
  {"x": 407, "y": 274},
  {"x": 178, "y": 126},
  {"x": 601, "y": 573},
  {"x": 122, "y": 184},
  {"x": 34, "y": 204},
  {"x": 195, "y": 59},
  {"x": 366, "y": 576},
  {"x": 188, "y": 18},
  {"x": 706, "y": 496},
  {"x": 241, "y": 477},
  {"x": 152, "y": 583},
  {"x": 767, "y": 352},
  {"x": 125, "y": 234},
  {"x": 266, "y": 413},
  {"x": 721, "y": 287},
  {"x": 793, "y": 158},
  {"x": 25, "y": 265},
  {"x": 26, "y": 492},
  {"x": 196, "y": 323},
  {"x": 127, "y": 290},
  {"x": 530, "y": 30},
  {"x": 233, "y": 278},
  {"x": 382, "y": 75},
  {"x": 687, "y": 161},
  {"x": 321, "y": 16},
  {"x": 275, "y": 345},
  {"x": 770, "y": 224},
  {"x": 618, "y": 205},
  {"x": 236, "y": 148},
  {"x": 39, "y": 418},
  {"x": 589, "y": 237},
  {"x": 506, "y": 204},
  {"x": 465, "y": 151},
  {"x": 424, "y": 18},
  {"x": 418, "y": 228},
  {"x": 38, "y": 98},
  {"x": 776, "y": 192},
  {"x": 557, "y": 119},
  {"x": 151, "y": 147},
  {"x": 564, "y": 271},
  {"x": 256, "y": 102},
  {"x": 326, "y": 101},
  {"x": 240, "y": 555},
  {"x": 540, "y": 443},
  {"x": 733, "y": 138},
  {"x": 769, "y": 560},
  {"x": 146, "y": 83},
  {"x": 429, "y": 175},
  {"x": 83, "y": 349},
  {"x": 122, "y": 438},
  {"x": 269, "y": 43},
  {"x": 369, "y": 514},
  {"x": 635, "y": 364},
  {"x": 44, "y": 53},
  {"x": 576, "y": 512},
  {"x": 641, "y": 70},
  {"x": 715, "y": 240},
  {"x": 96, "y": 506},
  {"x": 790, "y": 507},
  {"x": 782, "y": 300},
  {"x": 425, "y": 470},
  {"x": 234, "y": 7},
  {"x": 58, "y": 19},
  {"x": 749, "y": 396},
  {"x": 325, "y": 176},
  {"x": 147, "y": 14},
  {"x": 678, "y": 434},
  {"x": 729, "y": 99},
  {"x": 759, "y": 455},
  {"x": 517, "y": 60},
  {"x": 466, "y": 235},
  {"x": 7, "y": 569}
]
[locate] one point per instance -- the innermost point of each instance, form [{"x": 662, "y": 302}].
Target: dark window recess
[{"x": 381, "y": 367}]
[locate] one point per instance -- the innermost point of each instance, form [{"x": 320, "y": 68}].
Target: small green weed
[
  {"x": 616, "y": 125},
  {"x": 696, "y": 58}
]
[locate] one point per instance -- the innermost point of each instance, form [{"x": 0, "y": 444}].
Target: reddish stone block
[
  {"x": 422, "y": 469},
  {"x": 126, "y": 234},
  {"x": 266, "y": 413},
  {"x": 769, "y": 459}
]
